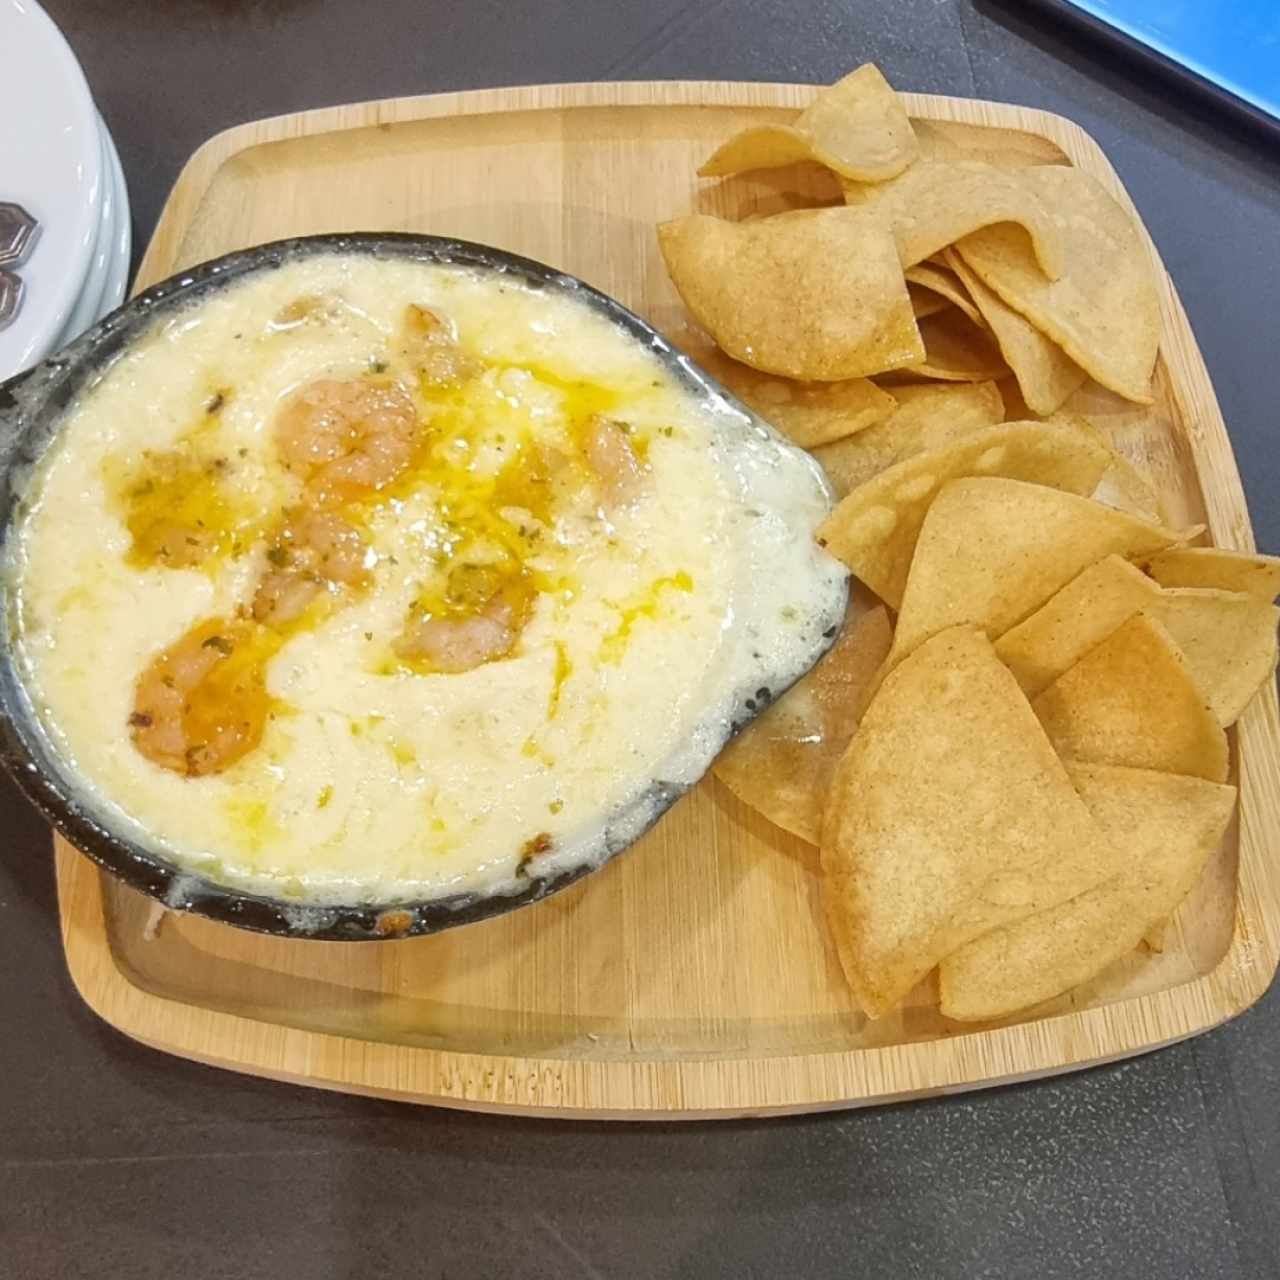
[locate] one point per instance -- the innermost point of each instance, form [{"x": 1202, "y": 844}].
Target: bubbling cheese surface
[{"x": 378, "y": 777}]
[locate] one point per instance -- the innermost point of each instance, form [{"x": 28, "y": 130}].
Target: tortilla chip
[
  {"x": 809, "y": 413},
  {"x": 924, "y": 302},
  {"x": 936, "y": 202},
  {"x": 949, "y": 815},
  {"x": 1046, "y": 375},
  {"x": 1104, "y": 309},
  {"x": 1227, "y": 638},
  {"x": 945, "y": 284},
  {"x": 1078, "y": 617},
  {"x": 955, "y": 350},
  {"x": 1133, "y": 701},
  {"x": 991, "y": 551},
  {"x": 1163, "y": 829},
  {"x": 1003, "y": 148},
  {"x": 927, "y": 416},
  {"x": 874, "y": 529},
  {"x": 857, "y": 128},
  {"x": 1124, "y": 487},
  {"x": 762, "y": 146},
  {"x": 1245, "y": 571},
  {"x": 781, "y": 764},
  {"x": 816, "y": 295},
  {"x": 1156, "y": 937}
]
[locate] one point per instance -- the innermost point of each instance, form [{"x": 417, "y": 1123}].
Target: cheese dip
[{"x": 368, "y": 579}]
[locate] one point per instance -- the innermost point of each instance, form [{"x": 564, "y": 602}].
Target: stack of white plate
[{"x": 57, "y": 161}]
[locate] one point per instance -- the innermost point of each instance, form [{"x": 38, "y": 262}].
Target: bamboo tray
[{"x": 692, "y": 976}]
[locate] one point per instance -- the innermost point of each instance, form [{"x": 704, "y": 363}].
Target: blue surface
[{"x": 1234, "y": 44}]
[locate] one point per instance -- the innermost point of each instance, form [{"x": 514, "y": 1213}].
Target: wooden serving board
[{"x": 692, "y": 976}]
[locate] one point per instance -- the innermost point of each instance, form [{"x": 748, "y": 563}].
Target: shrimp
[
  {"x": 433, "y": 350},
  {"x": 307, "y": 308},
  {"x": 282, "y": 598},
  {"x": 462, "y": 643},
  {"x": 347, "y": 439},
  {"x": 174, "y": 544},
  {"x": 179, "y": 509},
  {"x": 610, "y": 455},
  {"x": 202, "y": 704},
  {"x": 313, "y": 549}
]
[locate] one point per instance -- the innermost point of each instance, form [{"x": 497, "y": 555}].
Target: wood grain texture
[{"x": 692, "y": 976}]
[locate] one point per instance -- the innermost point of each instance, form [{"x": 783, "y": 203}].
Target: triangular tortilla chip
[
  {"x": 781, "y": 763},
  {"x": 998, "y": 146},
  {"x": 816, "y": 295},
  {"x": 949, "y": 815},
  {"x": 1255, "y": 575},
  {"x": 1133, "y": 701},
  {"x": 924, "y": 302},
  {"x": 1156, "y": 936},
  {"x": 1103, "y": 310},
  {"x": 991, "y": 551},
  {"x": 1228, "y": 640},
  {"x": 1046, "y": 374},
  {"x": 936, "y": 202},
  {"x": 945, "y": 284},
  {"x": 809, "y": 413},
  {"x": 956, "y": 350},
  {"x": 1070, "y": 623},
  {"x": 857, "y": 128},
  {"x": 1163, "y": 829},
  {"x": 1126, "y": 488},
  {"x": 926, "y": 417},
  {"x": 874, "y": 529},
  {"x": 761, "y": 146},
  {"x": 1123, "y": 485}
]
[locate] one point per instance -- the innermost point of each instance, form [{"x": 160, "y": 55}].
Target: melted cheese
[{"x": 377, "y": 778}]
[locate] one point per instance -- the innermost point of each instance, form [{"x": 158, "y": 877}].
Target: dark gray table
[{"x": 119, "y": 1162}]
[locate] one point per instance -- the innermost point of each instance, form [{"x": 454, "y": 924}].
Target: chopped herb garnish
[{"x": 532, "y": 847}]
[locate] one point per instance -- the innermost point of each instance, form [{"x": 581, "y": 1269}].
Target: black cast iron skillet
[{"x": 32, "y": 407}]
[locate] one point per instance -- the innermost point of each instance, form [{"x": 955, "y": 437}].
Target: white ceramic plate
[
  {"x": 85, "y": 311},
  {"x": 51, "y": 164},
  {"x": 104, "y": 287},
  {"x": 117, "y": 281}
]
